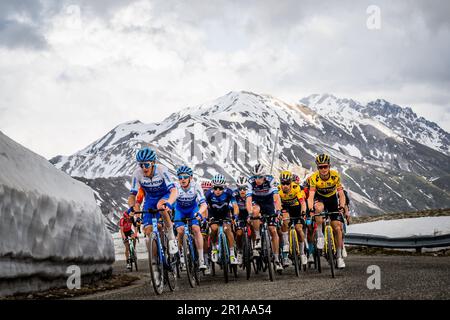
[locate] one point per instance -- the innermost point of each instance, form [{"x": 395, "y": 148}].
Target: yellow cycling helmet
[
  {"x": 322, "y": 159},
  {"x": 286, "y": 176}
]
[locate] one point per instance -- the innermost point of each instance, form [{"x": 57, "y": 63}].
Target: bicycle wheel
[
  {"x": 294, "y": 251},
  {"x": 194, "y": 254},
  {"x": 135, "y": 258},
  {"x": 189, "y": 261},
  {"x": 268, "y": 254},
  {"x": 317, "y": 254},
  {"x": 170, "y": 268},
  {"x": 330, "y": 253},
  {"x": 247, "y": 256},
  {"x": 155, "y": 265},
  {"x": 224, "y": 256}
]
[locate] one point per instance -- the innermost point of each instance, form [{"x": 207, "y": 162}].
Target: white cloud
[{"x": 108, "y": 62}]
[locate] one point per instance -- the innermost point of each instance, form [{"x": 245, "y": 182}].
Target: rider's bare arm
[
  {"x": 277, "y": 200},
  {"x": 312, "y": 192},
  {"x": 341, "y": 197},
  {"x": 248, "y": 204},
  {"x": 204, "y": 210}
]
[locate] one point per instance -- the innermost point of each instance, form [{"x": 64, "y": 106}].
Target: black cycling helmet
[{"x": 322, "y": 159}]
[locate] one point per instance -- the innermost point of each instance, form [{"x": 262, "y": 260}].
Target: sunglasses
[
  {"x": 146, "y": 165},
  {"x": 183, "y": 177},
  {"x": 323, "y": 167},
  {"x": 286, "y": 183},
  {"x": 218, "y": 188},
  {"x": 242, "y": 188},
  {"x": 259, "y": 177}
]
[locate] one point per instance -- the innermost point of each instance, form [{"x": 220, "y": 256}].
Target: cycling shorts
[
  {"x": 151, "y": 204},
  {"x": 331, "y": 205},
  {"x": 181, "y": 214}
]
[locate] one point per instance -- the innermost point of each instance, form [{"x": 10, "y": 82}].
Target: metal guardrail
[{"x": 414, "y": 242}]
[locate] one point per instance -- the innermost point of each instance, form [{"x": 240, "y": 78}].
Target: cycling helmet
[
  {"x": 241, "y": 181},
  {"x": 145, "y": 155},
  {"x": 286, "y": 176},
  {"x": 218, "y": 180},
  {"x": 258, "y": 170},
  {"x": 322, "y": 159},
  {"x": 206, "y": 185},
  {"x": 184, "y": 169}
]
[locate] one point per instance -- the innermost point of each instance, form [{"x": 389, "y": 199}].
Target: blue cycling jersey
[
  {"x": 219, "y": 205},
  {"x": 155, "y": 187}
]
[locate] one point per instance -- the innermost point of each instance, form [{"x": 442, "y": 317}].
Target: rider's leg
[
  {"x": 337, "y": 231},
  {"x": 213, "y": 234},
  {"x": 147, "y": 231},
  {"x": 284, "y": 231},
  {"x": 229, "y": 234},
  {"x": 167, "y": 220},
  {"x": 275, "y": 241},
  {"x": 301, "y": 237},
  {"x": 127, "y": 250},
  {"x": 198, "y": 243},
  {"x": 239, "y": 235},
  {"x": 256, "y": 223},
  {"x": 319, "y": 220}
]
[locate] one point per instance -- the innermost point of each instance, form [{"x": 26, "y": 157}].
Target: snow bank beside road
[
  {"x": 404, "y": 227},
  {"x": 49, "y": 221}
]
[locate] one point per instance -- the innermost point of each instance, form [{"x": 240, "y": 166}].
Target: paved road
[{"x": 402, "y": 277}]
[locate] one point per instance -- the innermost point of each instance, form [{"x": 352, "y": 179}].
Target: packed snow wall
[{"x": 48, "y": 222}]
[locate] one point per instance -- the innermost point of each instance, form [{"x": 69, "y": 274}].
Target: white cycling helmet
[
  {"x": 241, "y": 181},
  {"x": 219, "y": 180},
  {"x": 258, "y": 170}
]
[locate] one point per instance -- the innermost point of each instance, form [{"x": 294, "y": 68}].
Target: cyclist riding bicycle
[
  {"x": 206, "y": 185},
  {"x": 126, "y": 231},
  {"x": 190, "y": 204},
  {"x": 219, "y": 199},
  {"x": 160, "y": 193},
  {"x": 263, "y": 199},
  {"x": 294, "y": 206},
  {"x": 240, "y": 195},
  {"x": 325, "y": 188}
]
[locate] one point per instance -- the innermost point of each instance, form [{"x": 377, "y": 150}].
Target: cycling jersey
[
  {"x": 242, "y": 204},
  {"x": 293, "y": 198},
  {"x": 264, "y": 192},
  {"x": 326, "y": 188},
  {"x": 188, "y": 202},
  {"x": 125, "y": 224},
  {"x": 218, "y": 206},
  {"x": 156, "y": 188}
]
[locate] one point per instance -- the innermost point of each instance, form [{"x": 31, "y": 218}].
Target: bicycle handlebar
[{"x": 150, "y": 211}]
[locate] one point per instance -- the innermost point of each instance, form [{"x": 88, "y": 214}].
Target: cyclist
[
  {"x": 190, "y": 203},
  {"x": 206, "y": 185},
  {"x": 126, "y": 231},
  {"x": 325, "y": 186},
  {"x": 160, "y": 193},
  {"x": 240, "y": 196},
  {"x": 263, "y": 198},
  {"x": 294, "y": 205},
  {"x": 219, "y": 199}
]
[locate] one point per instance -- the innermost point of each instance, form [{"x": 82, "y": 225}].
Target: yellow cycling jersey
[
  {"x": 326, "y": 188},
  {"x": 293, "y": 197}
]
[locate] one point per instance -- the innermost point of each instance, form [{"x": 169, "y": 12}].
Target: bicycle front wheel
[
  {"x": 224, "y": 256},
  {"x": 268, "y": 254},
  {"x": 155, "y": 265},
  {"x": 330, "y": 250},
  {"x": 294, "y": 251},
  {"x": 189, "y": 261}
]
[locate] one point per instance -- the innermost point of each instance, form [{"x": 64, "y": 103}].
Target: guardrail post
[{"x": 419, "y": 250}]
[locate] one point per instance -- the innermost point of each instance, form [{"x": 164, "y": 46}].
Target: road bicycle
[
  {"x": 133, "y": 254},
  {"x": 224, "y": 251},
  {"x": 190, "y": 253},
  {"x": 162, "y": 265}
]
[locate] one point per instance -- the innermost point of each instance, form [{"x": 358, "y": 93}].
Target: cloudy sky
[{"x": 70, "y": 71}]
